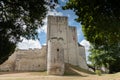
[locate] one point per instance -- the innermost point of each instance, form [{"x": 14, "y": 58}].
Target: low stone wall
[{"x": 26, "y": 60}]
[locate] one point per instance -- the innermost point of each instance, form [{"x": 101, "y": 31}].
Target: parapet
[
  {"x": 54, "y": 19},
  {"x": 73, "y": 28}
]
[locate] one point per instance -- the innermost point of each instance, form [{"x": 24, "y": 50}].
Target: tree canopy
[
  {"x": 100, "y": 21},
  {"x": 97, "y": 17},
  {"x": 20, "y": 18}
]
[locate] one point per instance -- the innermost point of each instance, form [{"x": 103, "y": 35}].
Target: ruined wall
[
  {"x": 26, "y": 60},
  {"x": 9, "y": 65}
]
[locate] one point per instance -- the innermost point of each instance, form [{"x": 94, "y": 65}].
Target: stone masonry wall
[
  {"x": 55, "y": 58},
  {"x": 26, "y": 60}
]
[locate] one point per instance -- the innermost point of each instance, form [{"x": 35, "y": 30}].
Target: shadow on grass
[
  {"x": 31, "y": 72},
  {"x": 7, "y": 72},
  {"x": 71, "y": 70}
]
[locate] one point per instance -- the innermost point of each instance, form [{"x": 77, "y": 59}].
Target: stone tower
[
  {"x": 57, "y": 44},
  {"x": 63, "y": 46},
  {"x": 55, "y": 57}
]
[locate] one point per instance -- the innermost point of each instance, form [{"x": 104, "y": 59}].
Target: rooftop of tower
[
  {"x": 62, "y": 18},
  {"x": 58, "y": 16}
]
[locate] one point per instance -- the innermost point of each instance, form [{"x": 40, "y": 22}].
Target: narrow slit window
[{"x": 57, "y": 50}]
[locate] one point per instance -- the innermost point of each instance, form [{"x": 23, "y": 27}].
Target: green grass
[{"x": 43, "y": 73}]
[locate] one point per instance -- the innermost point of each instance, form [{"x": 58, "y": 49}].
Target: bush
[{"x": 98, "y": 72}]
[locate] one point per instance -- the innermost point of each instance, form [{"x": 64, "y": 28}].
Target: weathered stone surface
[
  {"x": 55, "y": 58},
  {"x": 82, "y": 57},
  {"x": 73, "y": 53},
  {"x": 62, "y": 47},
  {"x": 26, "y": 60}
]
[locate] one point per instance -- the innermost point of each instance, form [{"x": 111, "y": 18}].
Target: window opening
[{"x": 57, "y": 50}]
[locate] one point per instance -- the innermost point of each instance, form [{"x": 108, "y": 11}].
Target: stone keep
[
  {"x": 57, "y": 44},
  {"x": 73, "y": 53},
  {"x": 61, "y": 44}
]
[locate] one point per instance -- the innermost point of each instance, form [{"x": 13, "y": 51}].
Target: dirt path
[{"x": 42, "y": 76}]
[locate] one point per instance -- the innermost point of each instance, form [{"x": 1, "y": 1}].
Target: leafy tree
[
  {"x": 100, "y": 21},
  {"x": 107, "y": 58},
  {"x": 114, "y": 51},
  {"x": 97, "y": 17},
  {"x": 20, "y": 18}
]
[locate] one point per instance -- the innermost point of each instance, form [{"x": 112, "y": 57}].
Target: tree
[
  {"x": 100, "y": 21},
  {"x": 97, "y": 17},
  {"x": 20, "y": 18},
  {"x": 107, "y": 58}
]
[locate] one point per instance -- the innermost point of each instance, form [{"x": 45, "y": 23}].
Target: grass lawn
[
  {"x": 43, "y": 76},
  {"x": 71, "y": 73}
]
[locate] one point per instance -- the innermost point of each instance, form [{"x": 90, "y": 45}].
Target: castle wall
[
  {"x": 82, "y": 58},
  {"x": 9, "y": 65},
  {"x": 26, "y": 60}
]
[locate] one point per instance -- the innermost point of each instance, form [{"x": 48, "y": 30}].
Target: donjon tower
[{"x": 62, "y": 46}]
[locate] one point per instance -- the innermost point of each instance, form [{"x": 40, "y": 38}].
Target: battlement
[
  {"x": 73, "y": 28},
  {"x": 30, "y": 49},
  {"x": 57, "y": 19}
]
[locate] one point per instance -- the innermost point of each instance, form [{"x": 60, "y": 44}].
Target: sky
[{"x": 26, "y": 44}]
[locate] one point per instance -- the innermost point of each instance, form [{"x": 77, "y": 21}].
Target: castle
[{"x": 62, "y": 47}]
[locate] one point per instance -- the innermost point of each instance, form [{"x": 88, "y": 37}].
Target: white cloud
[
  {"x": 55, "y": 13},
  {"x": 86, "y": 44},
  {"x": 26, "y": 44}
]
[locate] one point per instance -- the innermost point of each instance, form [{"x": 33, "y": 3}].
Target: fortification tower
[
  {"x": 55, "y": 57},
  {"x": 57, "y": 44},
  {"x": 62, "y": 47},
  {"x": 62, "y": 40},
  {"x": 57, "y": 27}
]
